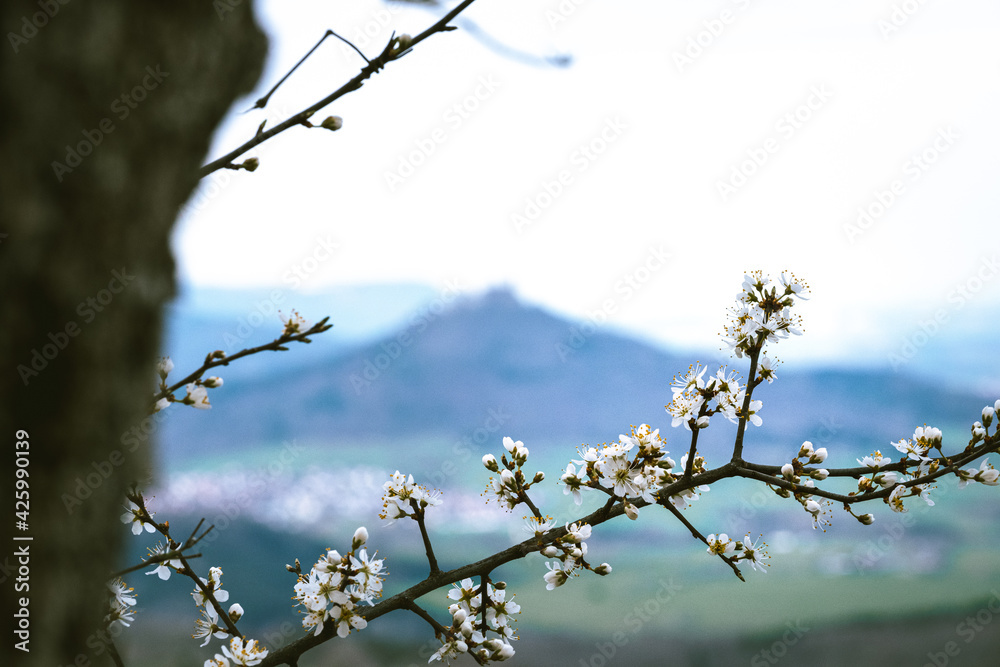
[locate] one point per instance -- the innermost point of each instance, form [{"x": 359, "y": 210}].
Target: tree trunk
[{"x": 108, "y": 109}]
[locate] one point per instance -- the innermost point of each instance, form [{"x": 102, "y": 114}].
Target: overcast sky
[{"x": 687, "y": 142}]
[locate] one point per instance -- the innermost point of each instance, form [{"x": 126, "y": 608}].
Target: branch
[
  {"x": 219, "y": 358},
  {"x": 393, "y": 51}
]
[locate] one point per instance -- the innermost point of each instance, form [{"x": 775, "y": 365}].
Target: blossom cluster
[
  {"x": 817, "y": 508},
  {"x": 336, "y": 584},
  {"x": 510, "y": 487},
  {"x": 121, "y": 601},
  {"x": 696, "y": 399},
  {"x": 404, "y": 498},
  {"x": 207, "y": 595},
  {"x": 474, "y": 615},
  {"x": 569, "y": 551},
  {"x": 636, "y": 467},
  {"x": 746, "y": 551},
  {"x": 763, "y": 315},
  {"x": 196, "y": 392}
]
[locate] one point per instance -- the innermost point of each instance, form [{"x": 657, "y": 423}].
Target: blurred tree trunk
[{"x": 108, "y": 109}]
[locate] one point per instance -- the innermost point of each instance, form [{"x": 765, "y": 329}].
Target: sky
[{"x": 853, "y": 143}]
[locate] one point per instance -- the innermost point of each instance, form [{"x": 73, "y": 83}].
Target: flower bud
[
  {"x": 490, "y": 462},
  {"x": 788, "y": 471},
  {"x": 806, "y": 450},
  {"x": 988, "y": 413},
  {"x": 820, "y": 474},
  {"x": 631, "y": 511},
  {"x": 539, "y": 476},
  {"x": 550, "y": 551},
  {"x": 164, "y": 367},
  {"x": 500, "y": 585},
  {"x": 603, "y": 569},
  {"x": 250, "y": 164},
  {"x": 161, "y": 404},
  {"x": 867, "y": 519},
  {"x": 235, "y": 613},
  {"x": 360, "y": 537},
  {"x": 332, "y": 123},
  {"x": 466, "y": 629},
  {"x": 818, "y": 456},
  {"x": 212, "y": 382}
]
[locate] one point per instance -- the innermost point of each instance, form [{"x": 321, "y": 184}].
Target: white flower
[
  {"x": 555, "y": 577},
  {"x": 197, "y": 396},
  {"x": 875, "y": 461},
  {"x": 220, "y": 661},
  {"x": 754, "y": 407},
  {"x": 720, "y": 544},
  {"x": 572, "y": 483},
  {"x": 765, "y": 369},
  {"x": 368, "y": 575},
  {"x": 122, "y": 596},
  {"x": 132, "y": 516},
  {"x": 497, "y": 614},
  {"x": 244, "y": 653},
  {"x": 164, "y": 568},
  {"x": 538, "y": 526},
  {"x": 754, "y": 553},
  {"x": 214, "y": 584},
  {"x": 616, "y": 474},
  {"x": 985, "y": 474},
  {"x": 895, "y": 499},
  {"x": 347, "y": 619},
  {"x": 209, "y": 626},
  {"x": 913, "y": 450},
  {"x": 164, "y": 366}
]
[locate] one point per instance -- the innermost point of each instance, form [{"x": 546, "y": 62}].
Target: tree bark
[{"x": 107, "y": 113}]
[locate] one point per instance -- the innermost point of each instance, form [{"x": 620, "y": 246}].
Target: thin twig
[
  {"x": 694, "y": 531},
  {"x": 389, "y": 53}
]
